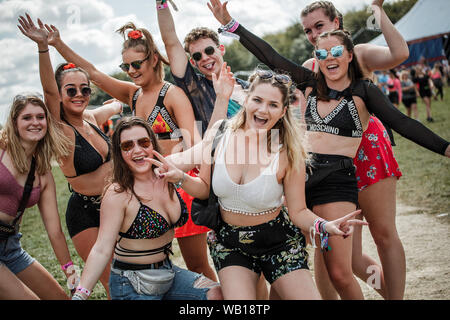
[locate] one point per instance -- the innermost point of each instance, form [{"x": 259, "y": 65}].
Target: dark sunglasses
[
  {"x": 135, "y": 64},
  {"x": 129, "y": 144},
  {"x": 336, "y": 52},
  {"x": 197, "y": 56},
  {"x": 266, "y": 74},
  {"x": 85, "y": 92}
]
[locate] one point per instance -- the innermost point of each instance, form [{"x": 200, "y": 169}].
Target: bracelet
[
  {"x": 67, "y": 265},
  {"x": 161, "y": 6},
  {"x": 78, "y": 296},
  {"x": 83, "y": 290},
  {"x": 180, "y": 182},
  {"x": 43, "y": 51}
]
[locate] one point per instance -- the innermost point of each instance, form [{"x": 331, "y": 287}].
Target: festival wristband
[
  {"x": 43, "y": 51},
  {"x": 162, "y": 6},
  {"x": 83, "y": 290},
  {"x": 67, "y": 265}
]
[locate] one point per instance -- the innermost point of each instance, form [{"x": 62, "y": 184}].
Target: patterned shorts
[
  {"x": 274, "y": 248},
  {"x": 375, "y": 159}
]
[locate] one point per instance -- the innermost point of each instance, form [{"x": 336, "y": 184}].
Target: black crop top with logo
[
  {"x": 149, "y": 224},
  {"x": 376, "y": 102},
  {"x": 86, "y": 158},
  {"x": 160, "y": 120}
]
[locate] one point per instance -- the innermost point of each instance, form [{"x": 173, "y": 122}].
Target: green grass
[{"x": 425, "y": 183}]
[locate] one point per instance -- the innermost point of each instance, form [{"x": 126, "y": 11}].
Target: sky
[{"x": 88, "y": 26}]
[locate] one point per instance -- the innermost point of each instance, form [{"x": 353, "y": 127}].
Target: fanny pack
[
  {"x": 7, "y": 230},
  {"x": 151, "y": 281}
]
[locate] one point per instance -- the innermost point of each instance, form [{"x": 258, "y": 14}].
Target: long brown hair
[
  {"x": 145, "y": 44},
  {"x": 121, "y": 174},
  {"x": 52, "y": 147},
  {"x": 354, "y": 70}
]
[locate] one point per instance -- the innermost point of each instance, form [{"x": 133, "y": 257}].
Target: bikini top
[
  {"x": 342, "y": 121},
  {"x": 149, "y": 224},
  {"x": 162, "y": 124},
  {"x": 259, "y": 196},
  {"x": 11, "y": 191},
  {"x": 86, "y": 158}
]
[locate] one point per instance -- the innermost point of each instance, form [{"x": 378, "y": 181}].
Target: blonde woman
[{"x": 30, "y": 133}]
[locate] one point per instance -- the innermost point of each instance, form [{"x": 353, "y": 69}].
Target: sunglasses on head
[
  {"x": 129, "y": 144},
  {"x": 266, "y": 74},
  {"x": 135, "y": 64},
  {"x": 336, "y": 52},
  {"x": 197, "y": 56},
  {"x": 72, "y": 92}
]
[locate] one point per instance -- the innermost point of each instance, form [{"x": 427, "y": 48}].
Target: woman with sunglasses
[
  {"x": 259, "y": 158},
  {"x": 340, "y": 274},
  {"x": 138, "y": 215},
  {"x": 165, "y": 106},
  {"x": 67, "y": 93},
  {"x": 30, "y": 138}
]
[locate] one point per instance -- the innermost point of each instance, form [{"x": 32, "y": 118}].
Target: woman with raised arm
[
  {"x": 259, "y": 158},
  {"x": 67, "y": 93},
  {"x": 318, "y": 17},
  {"x": 138, "y": 215},
  {"x": 164, "y": 106},
  {"x": 28, "y": 144},
  {"x": 376, "y": 103}
]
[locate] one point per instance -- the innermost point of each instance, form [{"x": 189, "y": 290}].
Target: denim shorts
[
  {"x": 13, "y": 256},
  {"x": 182, "y": 287},
  {"x": 274, "y": 248}
]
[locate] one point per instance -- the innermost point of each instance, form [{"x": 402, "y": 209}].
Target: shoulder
[{"x": 115, "y": 196}]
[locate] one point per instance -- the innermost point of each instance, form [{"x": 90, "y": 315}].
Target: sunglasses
[
  {"x": 336, "y": 52},
  {"x": 266, "y": 74},
  {"x": 129, "y": 144},
  {"x": 72, "y": 92},
  {"x": 197, "y": 56},
  {"x": 135, "y": 64}
]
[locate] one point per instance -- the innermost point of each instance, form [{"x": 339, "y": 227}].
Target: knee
[
  {"x": 385, "y": 237},
  {"x": 341, "y": 277}
]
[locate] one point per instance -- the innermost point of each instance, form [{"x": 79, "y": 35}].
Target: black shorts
[
  {"x": 83, "y": 212},
  {"x": 274, "y": 248},
  {"x": 393, "y": 97},
  {"x": 409, "y": 101},
  {"x": 425, "y": 93},
  {"x": 330, "y": 178}
]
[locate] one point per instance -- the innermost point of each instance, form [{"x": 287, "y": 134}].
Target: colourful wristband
[
  {"x": 67, "y": 265},
  {"x": 234, "y": 27},
  {"x": 83, "y": 290},
  {"x": 162, "y": 6}
]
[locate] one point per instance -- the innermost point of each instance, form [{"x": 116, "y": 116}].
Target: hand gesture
[
  {"x": 53, "y": 35},
  {"x": 165, "y": 169},
  {"x": 28, "y": 28},
  {"x": 224, "y": 84},
  {"x": 344, "y": 226},
  {"x": 219, "y": 11}
]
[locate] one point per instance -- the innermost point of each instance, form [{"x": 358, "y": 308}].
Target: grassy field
[{"x": 425, "y": 184}]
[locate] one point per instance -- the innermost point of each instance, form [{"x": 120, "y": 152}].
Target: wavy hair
[
  {"x": 146, "y": 44},
  {"x": 121, "y": 173},
  {"x": 54, "y": 146},
  {"x": 290, "y": 132}
]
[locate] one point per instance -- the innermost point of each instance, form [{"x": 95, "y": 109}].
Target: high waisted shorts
[
  {"x": 274, "y": 248},
  {"x": 83, "y": 212},
  {"x": 375, "y": 159},
  {"x": 330, "y": 178}
]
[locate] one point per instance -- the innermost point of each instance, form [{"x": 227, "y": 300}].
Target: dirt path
[{"x": 425, "y": 239}]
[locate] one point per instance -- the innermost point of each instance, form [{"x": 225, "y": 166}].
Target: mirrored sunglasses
[
  {"x": 129, "y": 144},
  {"x": 335, "y": 52},
  {"x": 266, "y": 74}
]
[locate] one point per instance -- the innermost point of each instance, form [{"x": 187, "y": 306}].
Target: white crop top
[{"x": 260, "y": 196}]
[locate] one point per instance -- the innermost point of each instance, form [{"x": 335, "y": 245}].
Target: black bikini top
[
  {"x": 342, "y": 120},
  {"x": 160, "y": 120},
  {"x": 86, "y": 158},
  {"x": 150, "y": 224}
]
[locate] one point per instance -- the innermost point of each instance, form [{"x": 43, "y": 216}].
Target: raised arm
[
  {"x": 378, "y": 104},
  {"x": 47, "y": 76},
  {"x": 174, "y": 49},
  {"x": 372, "y": 57},
  {"x": 121, "y": 90},
  {"x": 260, "y": 48}
]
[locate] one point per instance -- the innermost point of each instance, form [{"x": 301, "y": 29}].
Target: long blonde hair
[
  {"x": 53, "y": 146},
  {"x": 290, "y": 132}
]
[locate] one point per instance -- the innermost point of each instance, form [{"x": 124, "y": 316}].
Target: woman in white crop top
[{"x": 259, "y": 159}]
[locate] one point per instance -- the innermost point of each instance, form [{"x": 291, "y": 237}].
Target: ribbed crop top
[
  {"x": 259, "y": 196},
  {"x": 11, "y": 191}
]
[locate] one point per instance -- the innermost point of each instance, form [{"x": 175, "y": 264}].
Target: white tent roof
[{"x": 425, "y": 19}]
